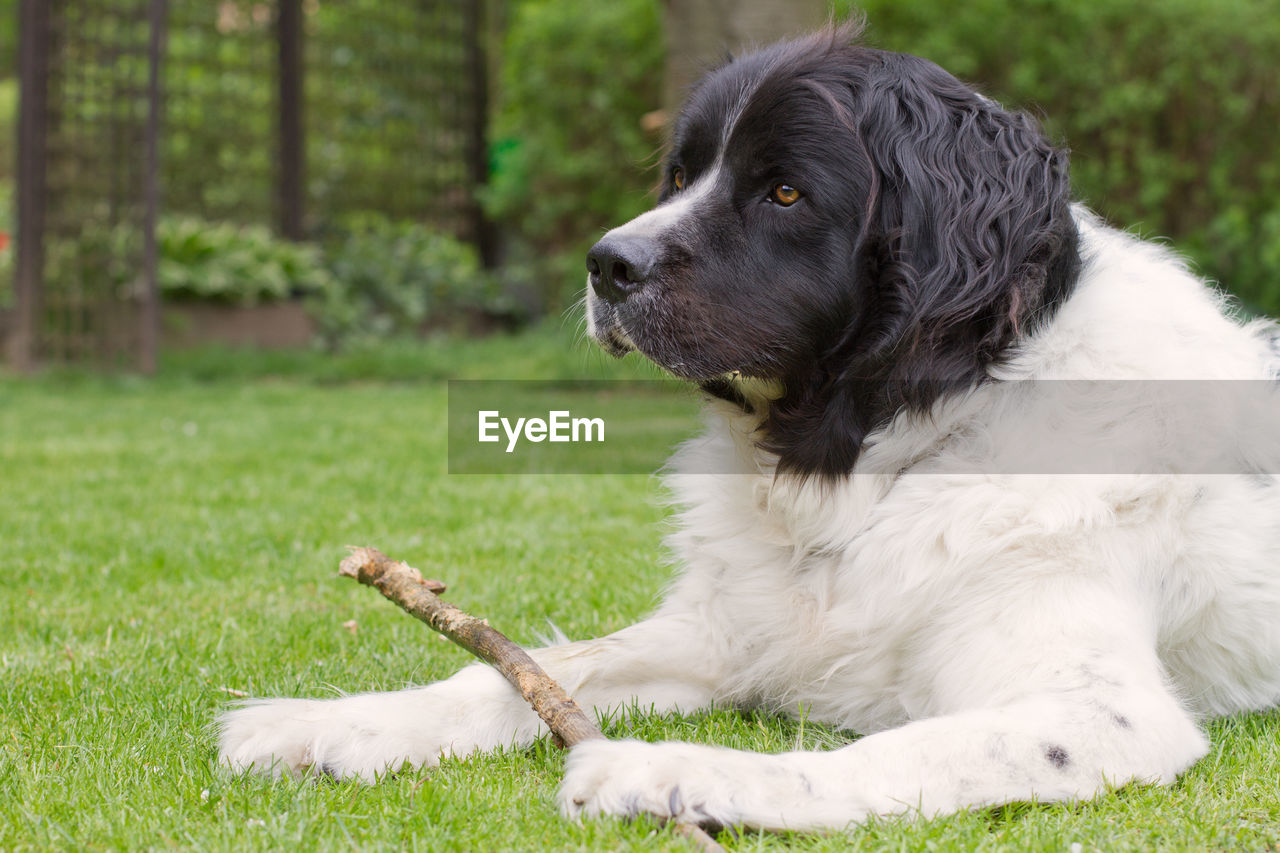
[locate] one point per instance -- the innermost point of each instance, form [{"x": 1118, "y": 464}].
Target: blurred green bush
[
  {"x": 569, "y": 157},
  {"x": 197, "y": 260},
  {"x": 390, "y": 278},
  {"x": 1168, "y": 106},
  {"x": 375, "y": 278},
  {"x": 238, "y": 264}
]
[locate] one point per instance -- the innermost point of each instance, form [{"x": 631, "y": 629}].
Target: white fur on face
[{"x": 602, "y": 322}]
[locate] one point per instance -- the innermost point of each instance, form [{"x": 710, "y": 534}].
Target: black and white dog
[{"x": 866, "y": 264}]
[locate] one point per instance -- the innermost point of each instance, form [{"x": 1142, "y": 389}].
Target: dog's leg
[
  {"x": 1038, "y": 711},
  {"x": 1041, "y": 749},
  {"x": 663, "y": 663}
]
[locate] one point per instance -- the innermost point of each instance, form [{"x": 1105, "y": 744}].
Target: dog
[{"x": 902, "y": 324}]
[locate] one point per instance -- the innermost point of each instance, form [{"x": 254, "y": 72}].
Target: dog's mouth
[
  {"x": 612, "y": 336},
  {"x": 605, "y": 327},
  {"x": 610, "y": 332},
  {"x": 627, "y": 328},
  {"x": 615, "y": 341}
]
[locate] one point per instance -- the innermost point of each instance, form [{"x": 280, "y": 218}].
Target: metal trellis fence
[{"x": 298, "y": 114}]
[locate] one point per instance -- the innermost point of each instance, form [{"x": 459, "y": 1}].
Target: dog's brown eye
[
  {"x": 677, "y": 178},
  {"x": 784, "y": 195}
]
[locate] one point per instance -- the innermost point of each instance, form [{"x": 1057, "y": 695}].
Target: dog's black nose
[{"x": 620, "y": 265}]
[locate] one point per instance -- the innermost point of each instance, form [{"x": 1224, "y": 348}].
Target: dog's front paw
[
  {"x": 297, "y": 737},
  {"x": 369, "y": 734},
  {"x": 673, "y": 781}
]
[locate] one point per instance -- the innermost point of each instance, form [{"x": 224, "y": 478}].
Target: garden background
[{"x": 169, "y": 539}]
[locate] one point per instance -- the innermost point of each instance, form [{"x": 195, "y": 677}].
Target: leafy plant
[
  {"x": 381, "y": 278},
  {"x": 244, "y": 265},
  {"x": 397, "y": 277}
]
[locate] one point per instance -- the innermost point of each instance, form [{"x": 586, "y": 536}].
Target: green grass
[{"x": 164, "y": 539}]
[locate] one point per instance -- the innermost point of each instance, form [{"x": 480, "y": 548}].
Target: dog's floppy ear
[
  {"x": 969, "y": 229},
  {"x": 966, "y": 242}
]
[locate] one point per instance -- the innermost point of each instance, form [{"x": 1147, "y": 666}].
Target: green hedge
[
  {"x": 395, "y": 278},
  {"x": 569, "y": 157},
  {"x": 1170, "y": 108},
  {"x": 375, "y": 278}
]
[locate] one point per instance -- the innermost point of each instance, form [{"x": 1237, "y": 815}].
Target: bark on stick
[{"x": 419, "y": 597}]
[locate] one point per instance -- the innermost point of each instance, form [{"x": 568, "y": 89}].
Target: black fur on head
[
  {"x": 967, "y": 242},
  {"x": 933, "y": 232}
]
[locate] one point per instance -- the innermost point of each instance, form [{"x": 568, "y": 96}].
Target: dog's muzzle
[{"x": 619, "y": 265}]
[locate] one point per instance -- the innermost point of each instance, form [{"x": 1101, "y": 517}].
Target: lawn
[{"x": 165, "y": 540}]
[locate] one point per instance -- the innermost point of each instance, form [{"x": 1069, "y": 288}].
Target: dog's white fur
[{"x": 998, "y": 637}]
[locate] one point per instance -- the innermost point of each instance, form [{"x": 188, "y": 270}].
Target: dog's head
[{"x": 855, "y": 225}]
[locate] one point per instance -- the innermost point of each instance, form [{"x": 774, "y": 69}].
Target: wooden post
[
  {"x": 702, "y": 34},
  {"x": 33, "y": 76},
  {"x": 290, "y": 71},
  {"x": 477, "y": 136},
  {"x": 149, "y": 333}
]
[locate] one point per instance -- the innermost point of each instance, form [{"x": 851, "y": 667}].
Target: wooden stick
[
  {"x": 419, "y": 597},
  {"x": 405, "y": 585}
]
